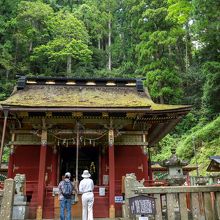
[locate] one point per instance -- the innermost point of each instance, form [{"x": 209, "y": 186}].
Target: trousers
[
  {"x": 65, "y": 204},
  {"x": 87, "y": 206}
]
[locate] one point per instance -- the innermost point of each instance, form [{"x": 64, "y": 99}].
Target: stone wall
[{"x": 7, "y": 197}]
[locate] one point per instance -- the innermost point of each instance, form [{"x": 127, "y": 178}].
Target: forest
[{"x": 174, "y": 45}]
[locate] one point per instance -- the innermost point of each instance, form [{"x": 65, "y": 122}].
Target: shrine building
[{"x": 55, "y": 125}]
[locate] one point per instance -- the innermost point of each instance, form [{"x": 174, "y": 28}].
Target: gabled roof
[
  {"x": 214, "y": 165},
  {"x": 44, "y": 92}
]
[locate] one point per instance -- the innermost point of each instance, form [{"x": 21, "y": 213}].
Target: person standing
[
  {"x": 86, "y": 187},
  {"x": 66, "y": 189}
]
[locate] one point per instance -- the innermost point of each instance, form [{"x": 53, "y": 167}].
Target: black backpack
[{"x": 67, "y": 189}]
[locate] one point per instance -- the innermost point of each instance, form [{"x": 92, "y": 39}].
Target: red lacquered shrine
[{"x": 54, "y": 125}]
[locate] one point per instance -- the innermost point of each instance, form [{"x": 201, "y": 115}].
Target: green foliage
[
  {"x": 204, "y": 139},
  {"x": 179, "y": 11},
  {"x": 206, "y": 28},
  {"x": 164, "y": 84},
  {"x": 163, "y": 150},
  {"x": 6, "y": 153},
  {"x": 211, "y": 89},
  {"x": 174, "y": 44},
  {"x": 187, "y": 123}
]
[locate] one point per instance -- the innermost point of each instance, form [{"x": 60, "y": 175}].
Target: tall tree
[
  {"x": 31, "y": 30},
  {"x": 156, "y": 51},
  {"x": 69, "y": 42}
]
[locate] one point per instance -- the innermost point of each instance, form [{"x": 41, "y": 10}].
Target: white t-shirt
[{"x": 86, "y": 185}]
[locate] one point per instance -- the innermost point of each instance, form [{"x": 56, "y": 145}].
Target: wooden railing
[{"x": 184, "y": 202}]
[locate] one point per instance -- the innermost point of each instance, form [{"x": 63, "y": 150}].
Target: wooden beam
[
  {"x": 28, "y": 143},
  {"x": 177, "y": 189},
  {"x": 160, "y": 133},
  {"x": 88, "y": 131},
  {"x": 131, "y": 143}
]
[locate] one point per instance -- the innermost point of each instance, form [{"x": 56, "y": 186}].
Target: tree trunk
[
  {"x": 99, "y": 43},
  {"x": 7, "y": 75},
  {"x": 161, "y": 97},
  {"x": 31, "y": 46},
  {"x": 188, "y": 56},
  {"x": 109, "y": 44},
  {"x": 69, "y": 65}
]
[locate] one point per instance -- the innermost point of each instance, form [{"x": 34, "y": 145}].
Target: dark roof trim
[
  {"x": 68, "y": 81},
  {"x": 215, "y": 158},
  {"x": 183, "y": 110},
  {"x": 80, "y": 109}
]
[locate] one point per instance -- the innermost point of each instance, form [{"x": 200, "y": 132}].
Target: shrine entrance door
[{"x": 88, "y": 160}]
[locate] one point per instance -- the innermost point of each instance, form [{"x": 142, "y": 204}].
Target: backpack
[{"x": 67, "y": 189}]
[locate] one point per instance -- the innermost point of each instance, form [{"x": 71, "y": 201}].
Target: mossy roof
[{"x": 83, "y": 96}]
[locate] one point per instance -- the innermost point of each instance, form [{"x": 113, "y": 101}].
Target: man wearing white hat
[{"x": 86, "y": 187}]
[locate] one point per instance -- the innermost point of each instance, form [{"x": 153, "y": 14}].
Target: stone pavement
[{"x": 81, "y": 219}]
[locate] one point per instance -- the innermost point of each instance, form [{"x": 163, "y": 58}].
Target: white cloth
[{"x": 86, "y": 187}]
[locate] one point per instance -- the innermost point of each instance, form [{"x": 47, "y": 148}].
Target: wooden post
[
  {"x": 5, "y": 110},
  {"x": 100, "y": 165},
  {"x": 41, "y": 175},
  {"x": 111, "y": 175},
  {"x": 150, "y": 174},
  {"x": 11, "y": 163},
  {"x": 77, "y": 152},
  {"x": 11, "y": 157},
  {"x": 145, "y": 160},
  {"x": 54, "y": 167}
]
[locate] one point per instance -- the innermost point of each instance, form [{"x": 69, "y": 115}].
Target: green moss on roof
[{"x": 76, "y": 96}]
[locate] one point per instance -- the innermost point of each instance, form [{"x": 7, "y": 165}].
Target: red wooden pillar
[
  {"x": 11, "y": 158},
  {"x": 100, "y": 167},
  {"x": 111, "y": 175},
  {"x": 11, "y": 163},
  {"x": 54, "y": 167},
  {"x": 150, "y": 174},
  {"x": 145, "y": 167},
  {"x": 145, "y": 160},
  {"x": 41, "y": 174}
]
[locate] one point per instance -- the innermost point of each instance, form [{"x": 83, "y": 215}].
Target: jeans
[{"x": 65, "y": 204}]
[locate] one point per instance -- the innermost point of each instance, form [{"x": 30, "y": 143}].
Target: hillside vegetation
[
  {"x": 201, "y": 142},
  {"x": 173, "y": 44}
]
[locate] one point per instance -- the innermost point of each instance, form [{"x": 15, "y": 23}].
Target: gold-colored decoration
[
  {"x": 77, "y": 114},
  {"x": 111, "y": 211},
  {"x": 105, "y": 114},
  {"x": 39, "y": 213},
  {"x": 23, "y": 114},
  {"x": 92, "y": 168},
  {"x": 131, "y": 114},
  {"x": 48, "y": 114}
]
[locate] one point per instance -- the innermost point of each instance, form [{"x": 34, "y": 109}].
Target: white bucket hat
[
  {"x": 86, "y": 174},
  {"x": 67, "y": 174}
]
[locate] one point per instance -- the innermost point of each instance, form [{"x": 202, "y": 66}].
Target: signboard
[
  {"x": 55, "y": 191},
  {"x": 142, "y": 205},
  {"x": 101, "y": 191},
  {"x": 118, "y": 199}
]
